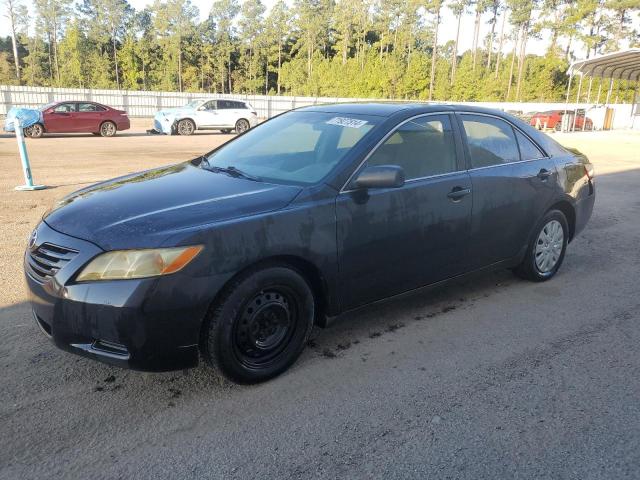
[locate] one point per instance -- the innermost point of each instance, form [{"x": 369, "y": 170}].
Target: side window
[
  {"x": 491, "y": 141},
  {"x": 225, "y": 105},
  {"x": 528, "y": 150},
  {"x": 423, "y": 147},
  {"x": 65, "y": 108},
  {"x": 239, "y": 105},
  {"x": 210, "y": 105},
  {"x": 87, "y": 107}
]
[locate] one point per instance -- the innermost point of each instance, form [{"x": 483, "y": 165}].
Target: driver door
[
  {"x": 391, "y": 240},
  {"x": 60, "y": 119},
  {"x": 207, "y": 115}
]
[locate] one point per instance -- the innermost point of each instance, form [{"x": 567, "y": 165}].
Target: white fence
[{"x": 146, "y": 104}]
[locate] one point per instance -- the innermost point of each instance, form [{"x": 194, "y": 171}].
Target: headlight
[{"x": 124, "y": 264}]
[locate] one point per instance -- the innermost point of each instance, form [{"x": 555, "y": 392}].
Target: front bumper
[{"x": 145, "y": 324}]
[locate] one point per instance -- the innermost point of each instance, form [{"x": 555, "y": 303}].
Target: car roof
[{"x": 388, "y": 109}]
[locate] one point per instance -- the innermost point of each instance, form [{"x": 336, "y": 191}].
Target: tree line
[{"x": 346, "y": 48}]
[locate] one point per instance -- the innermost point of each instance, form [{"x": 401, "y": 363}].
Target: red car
[
  {"x": 79, "y": 117},
  {"x": 553, "y": 119}
]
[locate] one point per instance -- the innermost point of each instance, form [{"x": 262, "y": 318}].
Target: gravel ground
[{"x": 490, "y": 377}]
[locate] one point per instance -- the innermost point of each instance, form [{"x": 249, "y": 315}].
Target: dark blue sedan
[{"x": 235, "y": 255}]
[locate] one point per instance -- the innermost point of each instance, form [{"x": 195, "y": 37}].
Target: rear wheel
[
  {"x": 242, "y": 126},
  {"x": 186, "y": 127},
  {"x": 108, "y": 129},
  {"x": 547, "y": 248},
  {"x": 260, "y": 326},
  {"x": 34, "y": 131}
]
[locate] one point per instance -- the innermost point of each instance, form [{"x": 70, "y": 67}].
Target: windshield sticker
[{"x": 347, "y": 122}]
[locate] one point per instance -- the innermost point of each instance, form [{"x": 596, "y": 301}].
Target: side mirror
[{"x": 383, "y": 176}]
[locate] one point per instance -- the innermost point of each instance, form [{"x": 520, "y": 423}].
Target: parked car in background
[
  {"x": 553, "y": 119},
  {"x": 79, "y": 117},
  {"x": 236, "y": 254},
  {"x": 203, "y": 114}
]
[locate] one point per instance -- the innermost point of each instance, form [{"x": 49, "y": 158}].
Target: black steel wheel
[
  {"x": 260, "y": 325},
  {"x": 242, "y": 125}
]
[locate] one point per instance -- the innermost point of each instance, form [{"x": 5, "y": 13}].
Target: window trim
[
  {"x": 391, "y": 132},
  {"x": 465, "y": 141}
]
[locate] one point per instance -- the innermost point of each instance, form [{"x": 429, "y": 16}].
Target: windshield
[
  {"x": 47, "y": 106},
  {"x": 296, "y": 147}
]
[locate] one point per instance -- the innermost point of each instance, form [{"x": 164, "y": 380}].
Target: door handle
[
  {"x": 544, "y": 174},
  {"x": 458, "y": 192}
]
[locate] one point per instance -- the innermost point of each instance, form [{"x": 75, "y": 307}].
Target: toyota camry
[{"x": 234, "y": 256}]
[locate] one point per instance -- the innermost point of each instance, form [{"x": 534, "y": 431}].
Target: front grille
[{"x": 45, "y": 261}]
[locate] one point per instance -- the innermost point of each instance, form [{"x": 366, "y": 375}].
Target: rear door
[
  {"x": 228, "y": 115},
  {"x": 513, "y": 185},
  {"x": 59, "y": 119},
  {"x": 391, "y": 240},
  {"x": 88, "y": 117}
]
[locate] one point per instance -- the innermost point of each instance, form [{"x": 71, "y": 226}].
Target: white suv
[{"x": 223, "y": 115}]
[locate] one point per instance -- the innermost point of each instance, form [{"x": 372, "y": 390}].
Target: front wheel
[
  {"x": 186, "y": 127},
  {"x": 34, "y": 131},
  {"x": 242, "y": 126},
  {"x": 108, "y": 129},
  {"x": 260, "y": 325},
  {"x": 547, "y": 248}
]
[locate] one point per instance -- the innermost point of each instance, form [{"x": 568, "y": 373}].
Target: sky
[{"x": 447, "y": 30}]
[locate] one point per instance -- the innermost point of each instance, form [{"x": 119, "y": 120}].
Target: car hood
[{"x": 146, "y": 208}]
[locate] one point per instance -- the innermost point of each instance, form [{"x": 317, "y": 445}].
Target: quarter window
[
  {"x": 423, "y": 147},
  {"x": 491, "y": 141},
  {"x": 528, "y": 150}
]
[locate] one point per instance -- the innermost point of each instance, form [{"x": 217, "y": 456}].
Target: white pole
[
  {"x": 566, "y": 102},
  {"x": 575, "y": 110},
  {"x": 24, "y": 157}
]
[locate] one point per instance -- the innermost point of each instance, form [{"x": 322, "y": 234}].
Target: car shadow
[{"x": 367, "y": 325}]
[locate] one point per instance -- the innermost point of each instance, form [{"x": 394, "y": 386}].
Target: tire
[
  {"x": 226, "y": 131},
  {"x": 185, "y": 127},
  {"x": 108, "y": 129},
  {"x": 546, "y": 249},
  {"x": 260, "y": 325},
  {"x": 34, "y": 131},
  {"x": 242, "y": 126}
]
